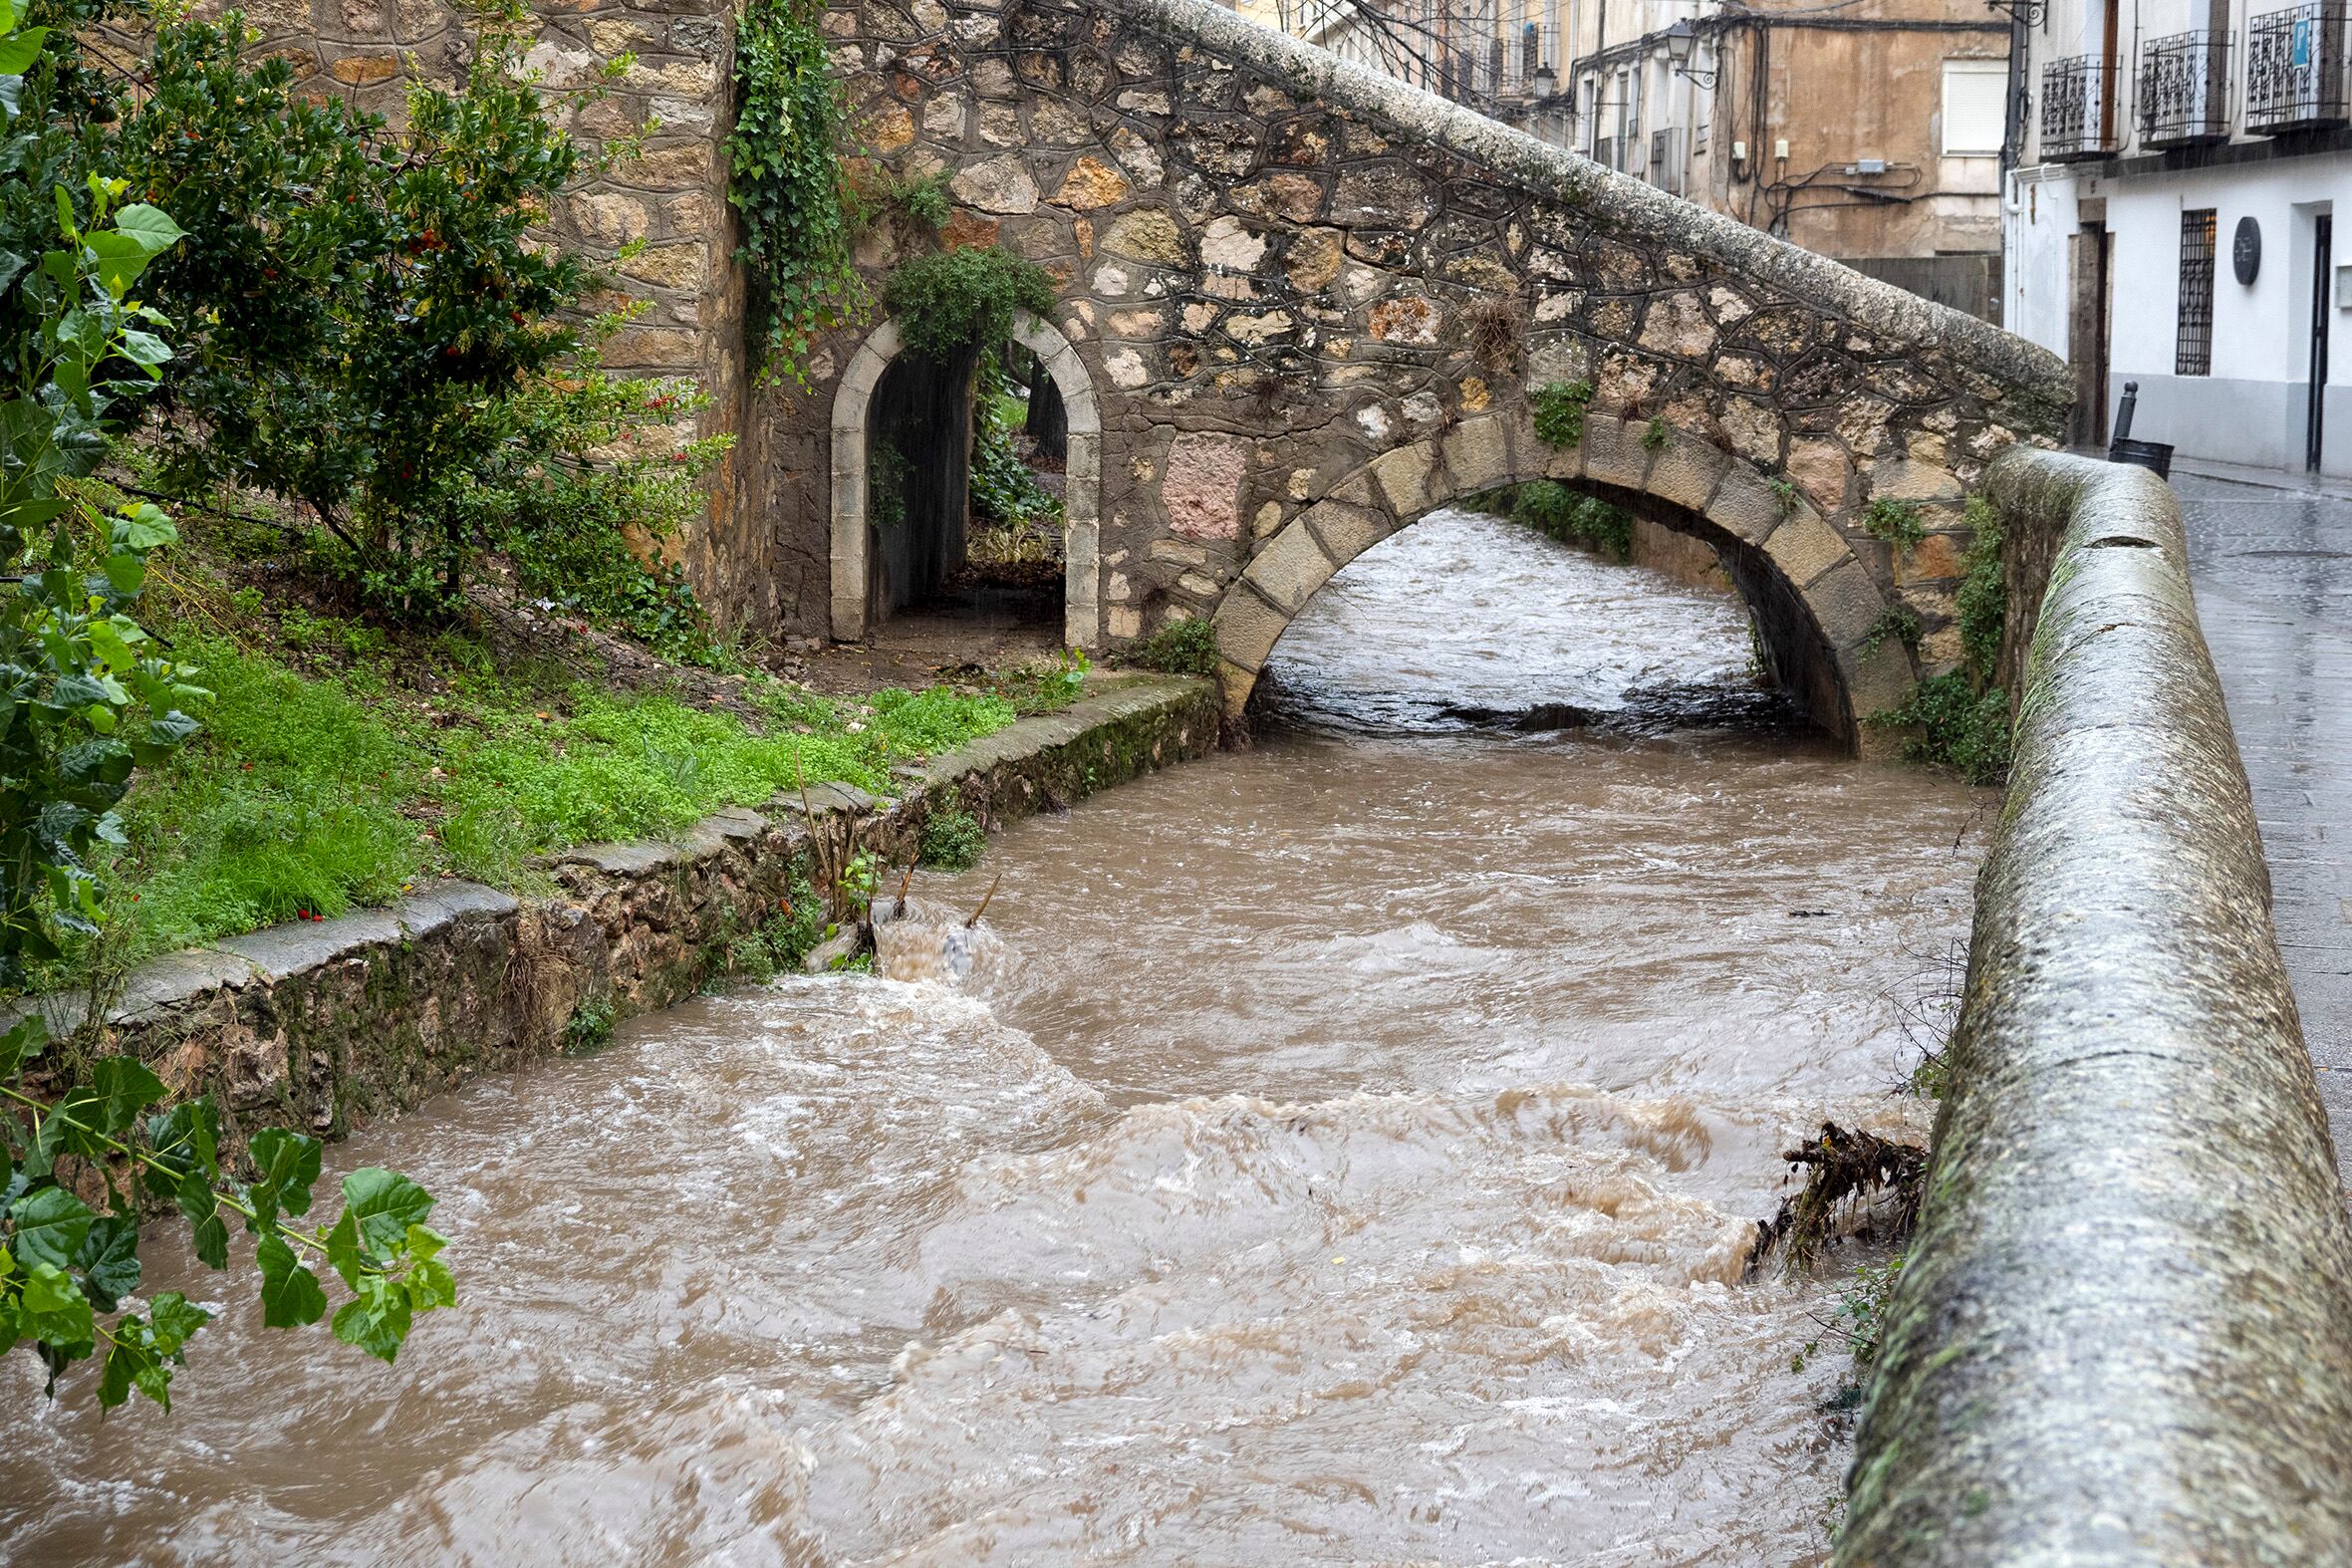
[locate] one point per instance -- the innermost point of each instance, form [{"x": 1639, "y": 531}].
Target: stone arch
[
  {"x": 1082, "y": 498},
  {"x": 1817, "y": 607}
]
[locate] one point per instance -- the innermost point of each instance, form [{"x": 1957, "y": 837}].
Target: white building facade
[{"x": 2170, "y": 221}]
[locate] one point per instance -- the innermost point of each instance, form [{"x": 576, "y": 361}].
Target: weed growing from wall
[
  {"x": 1559, "y": 411},
  {"x": 1186, "y": 646},
  {"x": 952, "y": 839},
  {"x": 1553, "y": 509},
  {"x": 1656, "y": 435},
  {"x": 1961, "y": 717},
  {"x": 1894, "y": 522}
]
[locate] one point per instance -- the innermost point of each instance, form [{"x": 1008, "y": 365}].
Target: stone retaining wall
[
  {"x": 320, "y": 1025},
  {"x": 2125, "y": 1331}
]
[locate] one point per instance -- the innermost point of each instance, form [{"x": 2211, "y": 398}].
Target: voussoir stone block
[
  {"x": 1804, "y": 547},
  {"x": 1247, "y": 628},
  {"x": 1746, "y": 506},
  {"x": 1879, "y": 681},
  {"x": 1688, "y": 471},
  {"x": 1845, "y": 603},
  {"x": 1477, "y": 454},
  {"x": 1290, "y": 569},
  {"x": 1613, "y": 452},
  {"x": 1404, "y": 478},
  {"x": 1346, "y": 530}
]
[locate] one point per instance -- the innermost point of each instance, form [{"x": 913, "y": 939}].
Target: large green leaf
[
  {"x": 290, "y": 1293},
  {"x": 151, "y": 227},
  {"x": 125, "y": 1088},
  {"x": 288, "y": 1162},
  {"x": 51, "y": 1226},
  {"x": 384, "y": 1203},
  {"x": 109, "y": 1261},
  {"x": 18, "y": 53}
]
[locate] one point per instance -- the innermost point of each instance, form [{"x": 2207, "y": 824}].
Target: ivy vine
[
  {"x": 788, "y": 187},
  {"x": 955, "y": 299}
]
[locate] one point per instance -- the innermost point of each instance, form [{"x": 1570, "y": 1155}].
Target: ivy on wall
[{"x": 787, "y": 184}]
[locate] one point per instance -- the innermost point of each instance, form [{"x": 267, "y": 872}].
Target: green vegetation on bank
[
  {"x": 1551, "y": 508},
  {"x": 1960, "y": 719},
  {"x": 314, "y": 789}
]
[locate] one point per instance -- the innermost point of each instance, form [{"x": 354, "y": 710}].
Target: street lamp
[{"x": 1680, "y": 40}]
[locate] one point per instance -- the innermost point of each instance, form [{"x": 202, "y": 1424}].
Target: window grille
[{"x": 2193, "y": 346}]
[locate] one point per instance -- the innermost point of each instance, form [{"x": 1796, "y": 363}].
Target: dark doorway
[
  {"x": 2086, "y": 330},
  {"x": 2322, "y": 269},
  {"x": 917, "y": 479}
]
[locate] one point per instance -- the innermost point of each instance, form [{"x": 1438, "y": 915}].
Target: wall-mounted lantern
[{"x": 1682, "y": 40}]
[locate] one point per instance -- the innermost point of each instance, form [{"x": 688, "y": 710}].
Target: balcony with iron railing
[
  {"x": 2185, "y": 90},
  {"x": 2295, "y": 68},
  {"x": 2078, "y": 119}
]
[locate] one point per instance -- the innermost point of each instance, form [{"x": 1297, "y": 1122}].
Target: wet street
[{"x": 2273, "y": 578}]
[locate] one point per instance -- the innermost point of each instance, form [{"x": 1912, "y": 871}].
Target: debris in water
[{"x": 1845, "y": 1165}]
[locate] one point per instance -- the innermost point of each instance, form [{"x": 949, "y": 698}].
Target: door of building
[
  {"x": 2315, "y": 410},
  {"x": 2086, "y": 332}
]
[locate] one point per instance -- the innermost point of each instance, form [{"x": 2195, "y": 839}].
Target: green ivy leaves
[{"x": 787, "y": 185}]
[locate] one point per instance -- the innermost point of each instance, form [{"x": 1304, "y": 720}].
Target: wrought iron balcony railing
[
  {"x": 2294, "y": 69},
  {"x": 2185, "y": 90},
  {"x": 2078, "y": 110}
]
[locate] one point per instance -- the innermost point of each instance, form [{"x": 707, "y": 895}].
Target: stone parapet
[{"x": 2124, "y": 1334}]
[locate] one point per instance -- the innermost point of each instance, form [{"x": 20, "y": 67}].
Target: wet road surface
[{"x": 2272, "y": 571}]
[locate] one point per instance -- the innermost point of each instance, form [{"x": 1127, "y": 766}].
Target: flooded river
[{"x": 1345, "y": 1153}]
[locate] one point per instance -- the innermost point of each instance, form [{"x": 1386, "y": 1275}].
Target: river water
[{"x": 1344, "y": 1150}]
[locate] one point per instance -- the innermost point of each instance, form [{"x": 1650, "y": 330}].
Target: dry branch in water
[{"x": 1847, "y": 1171}]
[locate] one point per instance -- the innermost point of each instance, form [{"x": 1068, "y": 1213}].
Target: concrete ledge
[
  {"x": 322, "y": 1024},
  {"x": 2125, "y": 1333}
]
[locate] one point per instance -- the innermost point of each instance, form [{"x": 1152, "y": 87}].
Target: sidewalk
[{"x": 2270, "y": 556}]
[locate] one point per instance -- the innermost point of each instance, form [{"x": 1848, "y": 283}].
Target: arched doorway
[{"x": 885, "y": 548}]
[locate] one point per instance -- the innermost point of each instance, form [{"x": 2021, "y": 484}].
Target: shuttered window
[{"x": 1975, "y": 93}]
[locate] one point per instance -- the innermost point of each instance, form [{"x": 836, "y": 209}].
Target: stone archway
[
  {"x": 1081, "y": 502},
  {"x": 1817, "y": 608}
]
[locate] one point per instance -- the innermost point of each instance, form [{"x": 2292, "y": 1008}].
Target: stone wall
[
  {"x": 319, "y": 1025},
  {"x": 1280, "y": 269},
  {"x": 2124, "y": 1334}
]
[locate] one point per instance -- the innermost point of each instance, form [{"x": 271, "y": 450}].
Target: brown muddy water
[{"x": 1344, "y": 1151}]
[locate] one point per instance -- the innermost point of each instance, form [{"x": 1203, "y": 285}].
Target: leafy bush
[
  {"x": 1958, "y": 726},
  {"x": 1559, "y": 411},
  {"x": 952, "y": 839},
  {"x": 1962, "y": 717},
  {"x": 1002, "y": 489},
  {"x": 92, "y": 700},
  {"x": 786, "y": 185},
  {"x": 384, "y": 341},
  {"x": 1562, "y": 513},
  {"x": 958, "y": 299},
  {"x": 1183, "y": 646},
  {"x": 1982, "y": 600}
]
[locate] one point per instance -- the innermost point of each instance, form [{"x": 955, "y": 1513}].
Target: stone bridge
[{"x": 1301, "y": 306}]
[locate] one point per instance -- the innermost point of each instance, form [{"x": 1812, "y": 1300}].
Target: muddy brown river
[{"x": 1344, "y": 1152}]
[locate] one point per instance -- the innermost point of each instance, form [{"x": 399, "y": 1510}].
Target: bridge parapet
[
  {"x": 2125, "y": 1331},
  {"x": 1276, "y": 268}
]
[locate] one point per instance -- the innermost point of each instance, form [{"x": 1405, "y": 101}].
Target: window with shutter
[{"x": 1975, "y": 93}]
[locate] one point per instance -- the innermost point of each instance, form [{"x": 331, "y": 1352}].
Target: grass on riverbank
[{"x": 340, "y": 764}]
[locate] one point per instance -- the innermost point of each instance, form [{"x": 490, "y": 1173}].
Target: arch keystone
[
  {"x": 1613, "y": 452},
  {"x": 1688, "y": 471},
  {"x": 1477, "y": 454}
]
